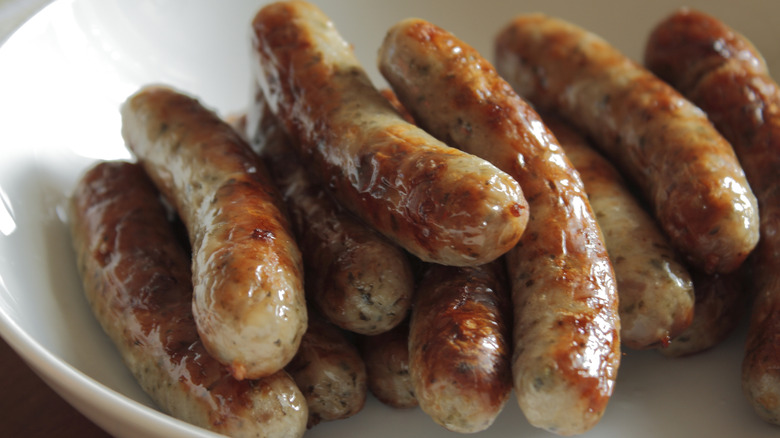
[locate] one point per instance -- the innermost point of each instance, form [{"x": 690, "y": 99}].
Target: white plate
[{"x": 62, "y": 78}]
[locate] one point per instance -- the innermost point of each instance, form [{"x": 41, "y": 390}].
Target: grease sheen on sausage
[
  {"x": 459, "y": 345},
  {"x": 686, "y": 170},
  {"x": 357, "y": 279},
  {"x": 655, "y": 290},
  {"x": 724, "y": 74},
  {"x": 137, "y": 280},
  {"x": 249, "y": 302},
  {"x": 437, "y": 202},
  {"x": 566, "y": 324}
]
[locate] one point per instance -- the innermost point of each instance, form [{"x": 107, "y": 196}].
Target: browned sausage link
[
  {"x": 459, "y": 347},
  {"x": 685, "y": 169},
  {"x": 386, "y": 356},
  {"x": 357, "y": 278},
  {"x": 437, "y": 202},
  {"x": 655, "y": 289},
  {"x": 722, "y": 72},
  {"x": 689, "y": 45},
  {"x": 330, "y": 372},
  {"x": 249, "y": 301},
  {"x": 137, "y": 280},
  {"x": 720, "y": 305},
  {"x": 566, "y": 334}
]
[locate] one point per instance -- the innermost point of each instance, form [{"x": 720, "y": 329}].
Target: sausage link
[
  {"x": 655, "y": 290},
  {"x": 685, "y": 169},
  {"x": 330, "y": 372},
  {"x": 249, "y": 302},
  {"x": 386, "y": 356},
  {"x": 459, "y": 348},
  {"x": 689, "y": 45},
  {"x": 137, "y": 280},
  {"x": 720, "y": 304},
  {"x": 566, "y": 332},
  {"x": 723, "y": 73},
  {"x": 358, "y": 279},
  {"x": 437, "y": 202}
]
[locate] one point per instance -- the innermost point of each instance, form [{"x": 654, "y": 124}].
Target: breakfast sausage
[
  {"x": 566, "y": 323},
  {"x": 459, "y": 345},
  {"x": 440, "y": 204},
  {"x": 724, "y": 74},
  {"x": 655, "y": 290},
  {"x": 136, "y": 277},
  {"x": 249, "y": 302},
  {"x": 357, "y": 279},
  {"x": 685, "y": 169},
  {"x": 386, "y": 356},
  {"x": 719, "y": 308},
  {"x": 329, "y": 371}
]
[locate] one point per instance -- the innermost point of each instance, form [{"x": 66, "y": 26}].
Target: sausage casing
[
  {"x": 249, "y": 302},
  {"x": 566, "y": 323},
  {"x": 723, "y": 73},
  {"x": 357, "y": 279},
  {"x": 655, "y": 290},
  {"x": 137, "y": 280},
  {"x": 685, "y": 169},
  {"x": 459, "y": 345},
  {"x": 437, "y": 202}
]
